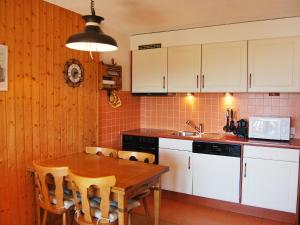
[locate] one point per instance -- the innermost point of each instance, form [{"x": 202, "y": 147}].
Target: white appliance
[
  {"x": 216, "y": 170},
  {"x": 270, "y": 127}
]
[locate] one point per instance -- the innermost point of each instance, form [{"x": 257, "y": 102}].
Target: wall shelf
[{"x": 110, "y": 76}]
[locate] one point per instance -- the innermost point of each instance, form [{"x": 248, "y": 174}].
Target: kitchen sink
[
  {"x": 185, "y": 133},
  {"x": 211, "y": 135},
  {"x": 196, "y": 134}
]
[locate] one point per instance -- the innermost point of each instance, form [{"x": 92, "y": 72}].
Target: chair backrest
[
  {"x": 42, "y": 184},
  {"x": 137, "y": 156},
  {"x": 82, "y": 184},
  {"x": 102, "y": 151}
]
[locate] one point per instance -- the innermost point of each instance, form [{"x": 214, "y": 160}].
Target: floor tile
[{"x": 190, "y": 214}]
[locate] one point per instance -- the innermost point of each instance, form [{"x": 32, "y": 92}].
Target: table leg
[
  {"x": 157, "y": 201},
  {"x": 122, "y": 211}
]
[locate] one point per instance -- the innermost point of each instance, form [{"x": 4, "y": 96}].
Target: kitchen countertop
[{"x": 214, "y": 137}]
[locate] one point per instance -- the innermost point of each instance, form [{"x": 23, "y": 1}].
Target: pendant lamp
[{"x": 92, "y": 39}]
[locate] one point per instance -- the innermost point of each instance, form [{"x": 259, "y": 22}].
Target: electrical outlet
[{"x": 292, "y": 132}]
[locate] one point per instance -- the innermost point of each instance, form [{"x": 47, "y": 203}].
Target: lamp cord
[{"x": 93, "y": 7}]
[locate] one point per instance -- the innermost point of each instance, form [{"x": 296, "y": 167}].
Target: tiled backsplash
[
  {"x": 171, "y": 112},
  {"x": 112, "y": 121}
]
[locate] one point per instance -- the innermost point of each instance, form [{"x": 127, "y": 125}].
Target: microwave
[{"x": 270, "y": 127}]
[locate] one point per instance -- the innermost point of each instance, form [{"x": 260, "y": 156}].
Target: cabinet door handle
[
  {"x": 245, "y": 170},
  {"x": 250, "y": 80},
  {"x": 189, "y": 162},
  {"x": 202, "y": 80},
  {"x": 197, "y": 81},
  {"x": 164, "y": 82}
]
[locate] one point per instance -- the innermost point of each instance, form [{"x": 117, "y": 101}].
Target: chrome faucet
[{"x": 199, "y": 128}]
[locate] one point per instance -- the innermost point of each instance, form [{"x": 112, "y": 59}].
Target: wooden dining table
[{"x": 132, "y": 178}]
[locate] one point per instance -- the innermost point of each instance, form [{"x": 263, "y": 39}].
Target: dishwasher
[
  {"x": 141, "y": 144},
  {"x": 216, "y": 170}
]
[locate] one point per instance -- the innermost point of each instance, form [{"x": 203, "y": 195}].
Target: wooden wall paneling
[
  {"x": 35, "y": 73},
  {"x": 68, "y": 21},
  {"x": 40, "y": 116},
  {"x": 43, "y": 81},
  {"x": 19, "y": 104},
  {"x": 2, "y": 94},
  {"x": 63, "y": 87},
  {"x": 88, "y": 80},
  {"x": 74, "y": 98},
  {"x": 81, "y": 101},
  {"x": 92, "y": 74},
  {"x": 4, "y": 108},
  {"x": 3, "y": 137},
  {"x": 49, "y": 77},
  {"x": 86, "y": 114},
  {"x": 27, "y": 58},
  {"x": 95, "y": 96},
  {"x": 57, "y": 70},
  {"x": 76, "y": 136},
  {"x": 86, "y": 101},
  {"x": 11, "y": 114}
]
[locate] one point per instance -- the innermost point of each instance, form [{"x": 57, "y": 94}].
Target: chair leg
[
  {"x": 69, "y": 218},
  {"x": 64, "y": 219},
  {"x": 147, "y": 211},
  {"x": 129, "y": 218},
  {"x": 45, "y": 217},
  {"x": 38, "y": 214}
]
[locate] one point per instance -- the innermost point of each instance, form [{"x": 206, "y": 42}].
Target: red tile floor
[{"x": 189, "y": 214}]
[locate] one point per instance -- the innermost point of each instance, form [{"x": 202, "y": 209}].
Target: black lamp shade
[{"x": 92, "y": 38}]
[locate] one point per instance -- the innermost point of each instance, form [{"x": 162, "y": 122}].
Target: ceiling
[{"x": 146, "y": 16}]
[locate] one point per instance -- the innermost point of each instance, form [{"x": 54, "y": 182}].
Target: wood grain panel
[{"x": 40, "y": 116}]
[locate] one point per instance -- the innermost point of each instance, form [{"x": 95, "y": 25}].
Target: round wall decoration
[{"x": 73, "y": 72}]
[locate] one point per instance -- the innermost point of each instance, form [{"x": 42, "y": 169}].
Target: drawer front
[
  {"x": 270, "y": 153},
  {"x": 184, "y": 145}
]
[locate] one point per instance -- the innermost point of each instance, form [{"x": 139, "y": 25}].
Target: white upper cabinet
[
  {"x": 224, "y": 67},
  {"x": 274, "y": 65},
  {"x": 149, "y": 70},
  {"x": 184, "y": 66}
]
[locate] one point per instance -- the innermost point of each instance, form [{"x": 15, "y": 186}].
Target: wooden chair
[
  {"x": 49, "y": 186},
  {"x": 137, "y": 156},
  {"x": 104, "y": 151},
  {"x": 87, "y": 211},
  {"x": 141, "y": 157}
]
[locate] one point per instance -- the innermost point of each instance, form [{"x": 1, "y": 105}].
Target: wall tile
[
  {"x": 209, "y": 109},
  {"x": 113, "y": 121}
]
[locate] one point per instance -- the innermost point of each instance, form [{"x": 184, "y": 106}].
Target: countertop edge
[{"x": 230, "y": 139}]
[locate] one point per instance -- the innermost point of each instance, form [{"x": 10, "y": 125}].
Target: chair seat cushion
[
  {"x": 68, "y": 198},
  {"x": 113, "y": 214},
  {"x": 67, "y": 203},
  {"x": 95, "y": 203},
  {"x": 131, "y": 203}
]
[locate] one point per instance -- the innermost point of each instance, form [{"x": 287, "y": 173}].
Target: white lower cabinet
[
  {"x": 270, "y": 178},
  {"x": 216, "y": 177},
  {"x": 269, "y": 175},
  {"x": 176, "y": 154}
]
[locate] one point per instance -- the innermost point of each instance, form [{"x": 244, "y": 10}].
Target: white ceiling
[{"x": 145, "y": 16}]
